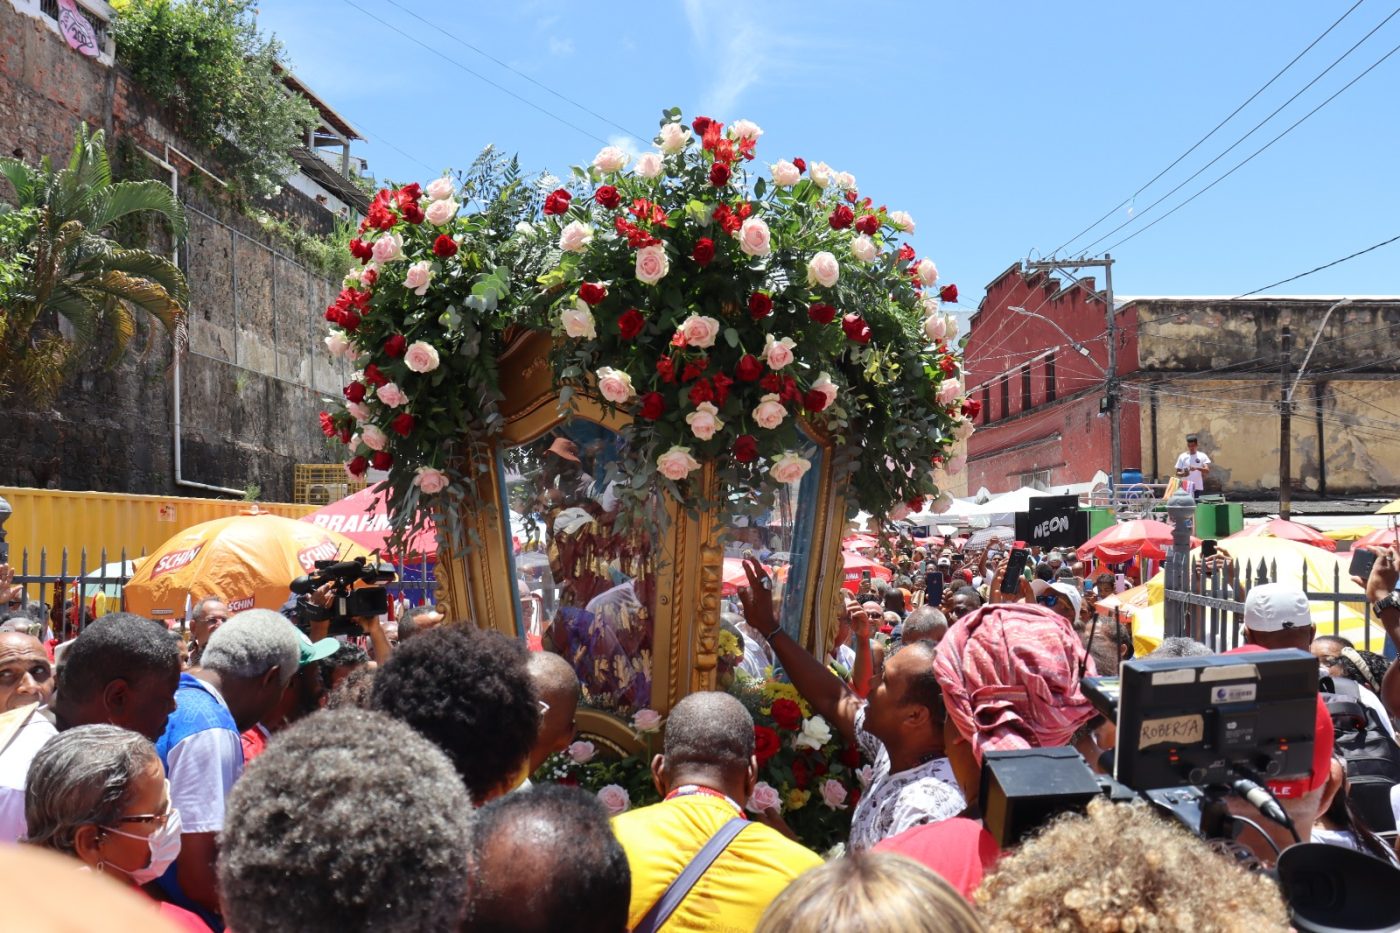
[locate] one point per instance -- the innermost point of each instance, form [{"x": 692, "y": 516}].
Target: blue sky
[{"x": 1004, "y": 128}]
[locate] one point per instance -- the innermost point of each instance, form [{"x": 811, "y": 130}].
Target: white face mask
[{"x": 164, "y": 845}]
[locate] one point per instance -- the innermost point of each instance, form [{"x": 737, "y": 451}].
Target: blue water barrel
[{"x": 1132, "y": 476}]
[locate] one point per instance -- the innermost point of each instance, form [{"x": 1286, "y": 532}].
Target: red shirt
[
  {"x": 254, "y": 742},
  {"x": 958, "y": 850}
]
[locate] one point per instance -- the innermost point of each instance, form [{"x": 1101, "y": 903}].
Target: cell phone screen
[
  {"x": 1015, "y": 566},
  {"x": 934, "y": 587},
  {"x": 1208, "y": 547},
  {"x": 1361, "y": 563}
]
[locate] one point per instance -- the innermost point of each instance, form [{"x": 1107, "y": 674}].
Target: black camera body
[{"x": 350, "y": 601}]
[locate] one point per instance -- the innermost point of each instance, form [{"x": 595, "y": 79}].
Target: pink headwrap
[{"x": 1010, "y": 677}]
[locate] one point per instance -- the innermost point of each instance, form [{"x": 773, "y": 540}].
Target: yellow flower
[
  {"x": 729, "y": 645},
  {"x": 776, "y": 690},
  {"x": 797, "y": 799}
]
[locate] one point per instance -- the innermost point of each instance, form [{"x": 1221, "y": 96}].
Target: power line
[
  {"x": 1328, "y": 265},
  {"x": 1213, "y": 131}
]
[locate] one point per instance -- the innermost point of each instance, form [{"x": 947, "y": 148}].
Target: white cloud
[
  {"x": 627, "y": 144},
  {"x": 742, "y": 48},
  {"x": 561, "y": 47}
]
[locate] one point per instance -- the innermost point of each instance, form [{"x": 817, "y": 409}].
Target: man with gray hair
[
  {"x": 246, "y": 665},
  {"x": 924, "y": 624}
]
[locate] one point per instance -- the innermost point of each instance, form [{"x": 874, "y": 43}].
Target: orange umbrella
[
  {"x": 247, "y": 560},
  {"x": 1290, "y": 531},
  {"x": 1141, "y": 537}
]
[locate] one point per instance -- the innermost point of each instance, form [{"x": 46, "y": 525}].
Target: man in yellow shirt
[{"x": 705, "y": 773}]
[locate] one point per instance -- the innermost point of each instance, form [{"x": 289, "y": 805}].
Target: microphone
[{"x": 1262, "y": 800}]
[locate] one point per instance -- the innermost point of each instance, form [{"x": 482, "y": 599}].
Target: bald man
[
  {"x": 26, "y": 681},
  {"x": 557, "y": 689}
]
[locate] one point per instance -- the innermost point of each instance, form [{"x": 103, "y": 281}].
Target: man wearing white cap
[
  {"x": 1276, "y": 615},
  {"x": 1063, "y": 597}
]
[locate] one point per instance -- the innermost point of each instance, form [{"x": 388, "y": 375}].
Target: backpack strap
[{"x": 676, "y": 891}]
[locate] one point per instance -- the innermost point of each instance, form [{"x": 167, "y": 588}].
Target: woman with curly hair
[{"x": 1122, "y": 867}]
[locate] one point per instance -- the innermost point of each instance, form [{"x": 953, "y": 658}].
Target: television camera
[{"x": 348, "y": 600}]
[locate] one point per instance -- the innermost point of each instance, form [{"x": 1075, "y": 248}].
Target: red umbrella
[
  {"x": 859, "y": 542},
  {"x": 1291, "y": 531},
  {"x": 1381, "y": 537},
  {"x": 733, "y": 576},
  {"x": 1142, "y": 537},
  {"x": 857, "y": 564},
  {"x": 364, "y": 519}
]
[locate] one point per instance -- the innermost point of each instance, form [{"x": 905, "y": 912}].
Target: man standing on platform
[{"x": 1192, "y": 467}]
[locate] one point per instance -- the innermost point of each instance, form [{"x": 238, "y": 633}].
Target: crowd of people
[{"x": 257, "y": 775}]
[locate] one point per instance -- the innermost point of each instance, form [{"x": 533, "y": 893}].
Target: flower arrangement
[{"x": 730, "y": 314}]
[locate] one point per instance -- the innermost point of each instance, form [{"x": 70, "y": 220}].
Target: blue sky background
[{"x": 1004, "y": 128}]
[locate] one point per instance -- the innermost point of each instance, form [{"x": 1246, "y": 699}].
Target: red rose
[
  {"x": 711, "y": 138},
  {"x": 361, "y": 250},
  {"x": 786, "y": 713},
  {"x": 801, "y": 165},
  {"x": 814, "y": 400},
  {"x": 856, "y": 329},
  {"x": 971, "y": 408},
  {"x": 653, "y": 405},
  {"x": 841, "y": 218},
  {"x": 695, "y": 369},
  {"x": 948, "y": 293},
  {"x": 766, "y": 743},
  {"x": 607, "y": 196},
  {"x": 868, "y": 224},
  {"x": 820, "y": 768},
  {"x": 906, "y": 253},
  {"x": 748, "y": 368},
  {"x": 666, "y": 369},
  {"x": 771, "y": 383},
  {"x": 760, "y": 306},
  {"x": 949, "y": 365},
  {"x": 358, "y": 466},
  {"x": 701, "y": 392},
  {"x": 801, "y": 772},
  {"x": 852, "y": 196},
  {"x": 444, "y": 247},
  {"x": 350, "y": 321},
  {"x": 395, "y": 346},
  {"x": 915, "y": 504},
  {"x": 745, "y": 448},
  {"x": 789, "y": 391},
  {"x": 374, "y": 376},
  {"x": 369, "y": 277},
  {"x": 327, "y": 424},
  {"x": 721, "y": 383},
  {"x": 719, "y": 174},
  {"x": 724, "y": 151},
  {"x": 381, "y": 460},
  {"x": 355, "y": 392},
  {"x": 630, "y": 324},
  {"x": 413, "y": 214},
  {"x": 346, "y": 433},
  {"x": 850, "y": 756},
  {"x": 402, "y": 424},
  {"x": 704, "y": 251},
  {"x": 701, "y": 124},
  {"x": 557, "y": 202},
  {"x": 821, "y": 313},
  {"x": 409, "y": 193},
  {"x": 592, "y": 292}
]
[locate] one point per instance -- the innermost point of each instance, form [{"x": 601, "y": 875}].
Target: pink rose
[
  {"x": 336, "y": 343},
  {"x": 765, "y": 797},
  {"x": 823, "y": 270},
  {"x": 825, "y": 386},
  {"x": 778, "y": 353},
  {"x": 357, "y": 411},
  {"x": 430, "y": 480},
  {"x": 388, "y": 248},
  {"x": 755, "y": 238},
  {"x": 677, "y": 463},
  {"x": 704, "y": 421},
  {"x": 615, "y": 799},
  {"x": 963, "y": 428},
  {"x": 615, "y": 385},
  {"x": 865, "y": 775},
  {"x": 935, "y": 328},
  {"x": 578, "y": 322},
  {"x": 928, "y": 272},
  {"x": 421, "y": 357},
  {"x": 902, "y": 221},
  {"x": 441, "y": 212},
  {"x": 674, "y": 137},
  {"x": 698, "y": 331},
  {"x": 646, "y": 720},
  {"x": 785, "y": 174},
  {"x": 770, "y": 411},
  {"x": 833, "y": 794},
  {"x": 648, "y": 165},
  {"x": 390, "y": 394},
  {"x": 418, "y": 276},
  {"x": 652, "y": 264},
  {"x": 575, "y": 236},
  {"x": 745, "y": 129},
  {"x": 950, "y": 390},
  {"x": 440, "y": 189},
  {"x": 374, "y": 438},
  {"x": 610, "y": 159},
  {"x": 864, "y": 248},
  {"x": 955, "y": 466},
  {"x": 789, "y": 467},
  {"x": 845, "y": 181},
  {"x": 899, "y": 513},
  {"x": 581, "y": 753},
  {"x": 952, "y": 325}
]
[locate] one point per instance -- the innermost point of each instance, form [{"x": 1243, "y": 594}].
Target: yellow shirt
[{"x": 660, "y": 840}]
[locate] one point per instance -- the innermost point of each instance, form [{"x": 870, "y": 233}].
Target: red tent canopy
[
  {"x": 1291, "y": 531},
  {"x": 857, "y": 564},
  {"x": 364, "y": 519},
  {"x": 733, "y": 576},
  {"x": 1381, "y": 537},
  {"x": 1142, "y": 537}
]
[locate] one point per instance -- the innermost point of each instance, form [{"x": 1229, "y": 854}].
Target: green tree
[{"x": 76, "y": 287}]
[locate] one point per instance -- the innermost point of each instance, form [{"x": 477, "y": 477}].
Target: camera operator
[{"x": 316, "y": 611}]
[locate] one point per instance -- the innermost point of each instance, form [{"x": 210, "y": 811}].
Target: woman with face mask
[{"x": 99, "y": 794}]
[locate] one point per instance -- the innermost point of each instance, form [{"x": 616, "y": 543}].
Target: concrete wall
[{"x": 256, "y": 369}]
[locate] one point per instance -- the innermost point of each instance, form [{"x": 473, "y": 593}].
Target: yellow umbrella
[
  {"x": 1390, "y": 508},
  {"x": 1350, "y": 533}
]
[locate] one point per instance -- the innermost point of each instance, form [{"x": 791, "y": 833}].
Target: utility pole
[
  {"x": 1285, "y": 426},
  {"x": 1110, "y": 377}
]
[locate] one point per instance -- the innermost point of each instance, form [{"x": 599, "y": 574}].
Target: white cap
[
  {"x": 1274, "y": 607},
  {"x": 1070, "y": 592}
]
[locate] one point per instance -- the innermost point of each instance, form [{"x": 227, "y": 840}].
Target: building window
[
  {"x": 1050, "y": 378},
  {"x": 1006, "y": 396},
  {"x": 1038, "y": 479},
  {"x": 1026, "y": 401},
  {"x": 986, "y": 402}
]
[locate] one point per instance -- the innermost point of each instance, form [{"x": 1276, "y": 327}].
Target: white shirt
[
  {"x": 893, "y": 803},
  {"x": 202, "y": 770},
  {"x": 1193, "y": 462},
  {"x": 14, "y": 770}
]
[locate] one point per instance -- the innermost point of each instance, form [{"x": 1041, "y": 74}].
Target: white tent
[{"x": 998, "y": 510}]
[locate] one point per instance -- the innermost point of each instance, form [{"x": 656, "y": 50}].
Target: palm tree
[{"x": 76, "y": 284}]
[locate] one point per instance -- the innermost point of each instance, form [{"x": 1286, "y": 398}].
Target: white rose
[
  {"x": 337, "y": 343},
  {"x": 374, "y": 438},
  {"x": 935, "y": 328},
  {"x": 388, "y": 248},
  {"x": 610, "y": 159},
  {"x": 955, "y": 466},
  {"x": 614, "y": 799},
  {"x": 674, "y": 137},
  {"x": 440, "y": 189},
  {"x": 652, "y": 264},
  {"x": 677, "y": 463},
  {"x": 928, "y": 272},
  {"x": 754, "y": 237},
  {"x": 441, "y": 212},
  {"x": 823, "y": 270},
  {"x": 421, "y": 357},
  {"x": 864, "y": 248},
  {"x": 949, "y": 391},
  {"x": 952, "y": 327},
  {"x": 825, "y": 386},
  {"x": 418, "y": 276},
  {"x": 963, "y": 428},
  {"x": 899, "y": 513},
  {"x": 902, "y": 221},
  {"x": 778, "y": 353},
  {"x": 815, "y": 733},
  {"x": 789, "y": 468},
  {"x": 578, "y": 321},
  {"x": 698, "y": 331},
  {"x": 575, "y": 236},
  {"x": 785, "y": 174},
  {"x": 745, "y": 129},
  {"x": 770, "y": 411},
  {"x": 846, "y": 181},
  {"x": 930, "y": 304},
  {"x": 821, "y": 174},
  {"x": 525, "y": 228},
  {"x": 648, "y": 165},
  {"x": 704, "y": 421},
  {"x": 615, "y": 385}
]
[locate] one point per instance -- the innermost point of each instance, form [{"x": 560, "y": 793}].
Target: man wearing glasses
[{"x": 209, "y": 613}]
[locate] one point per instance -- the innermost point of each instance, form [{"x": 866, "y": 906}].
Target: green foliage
[
  {"x": 325, "y": 253},
  {"x": 76, "y": 288},
  {"x": 223, "y": 80}
]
